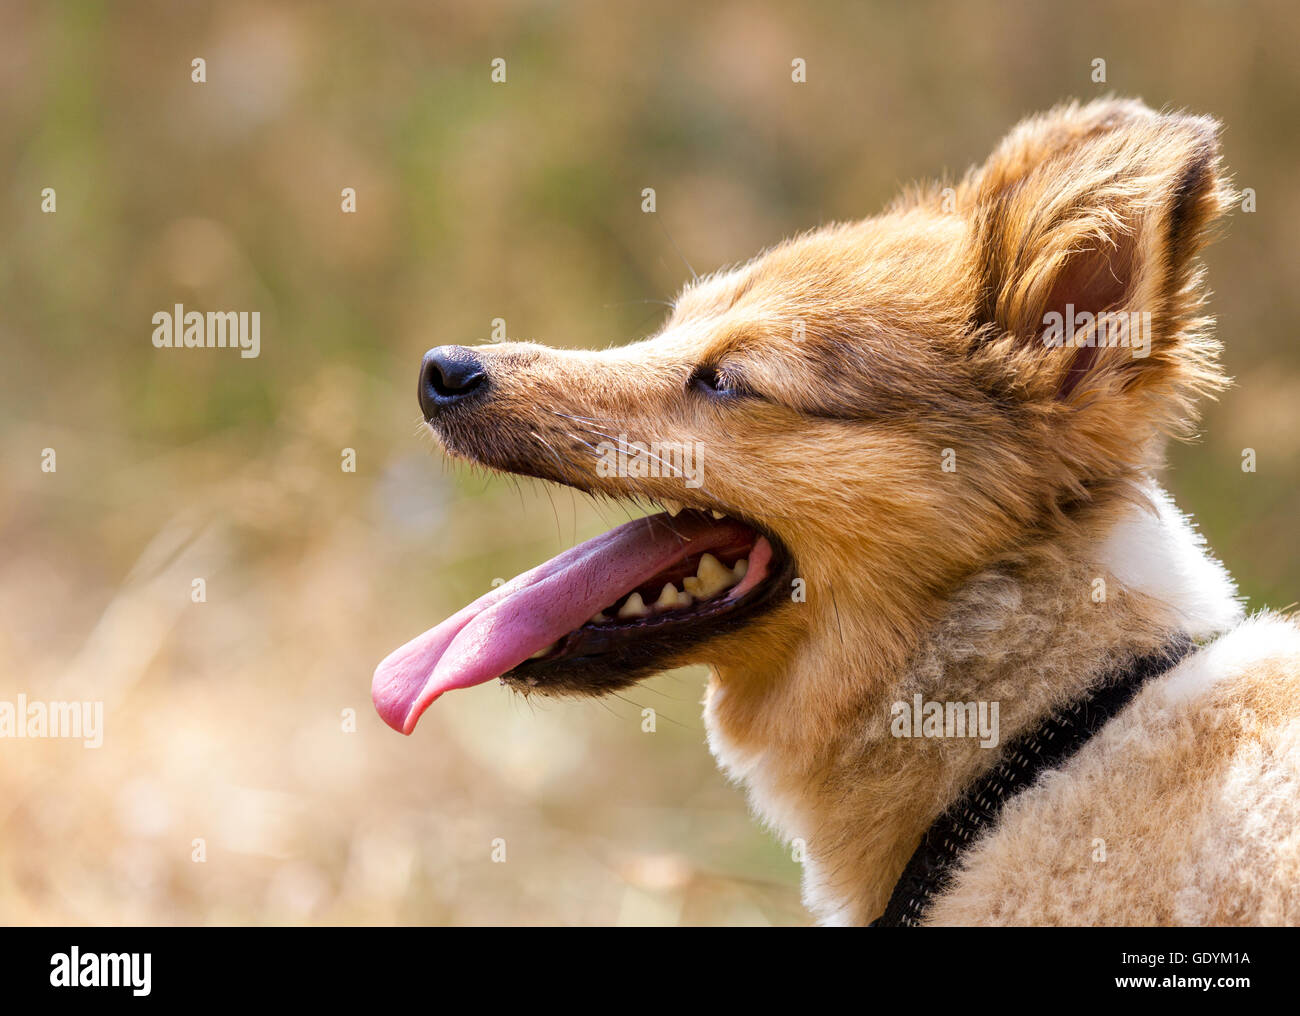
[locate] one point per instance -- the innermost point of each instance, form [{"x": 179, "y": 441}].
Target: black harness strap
[{"x": 1048, "y": 746}]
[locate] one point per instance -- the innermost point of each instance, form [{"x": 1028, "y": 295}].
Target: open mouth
[{"x": 598, "y": 617}]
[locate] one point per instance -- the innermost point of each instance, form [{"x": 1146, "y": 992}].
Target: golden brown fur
[{"x": 879, "y": 350}]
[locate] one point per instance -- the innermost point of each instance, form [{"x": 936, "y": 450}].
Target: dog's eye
[{"x": 717, "y": 381}]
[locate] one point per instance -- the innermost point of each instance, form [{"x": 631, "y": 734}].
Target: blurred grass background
[{"x": 224, "y": 720}]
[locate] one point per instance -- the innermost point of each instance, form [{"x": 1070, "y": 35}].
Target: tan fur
[{"x": 876, "y": 346}]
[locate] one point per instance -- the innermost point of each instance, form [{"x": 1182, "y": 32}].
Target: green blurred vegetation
[{"x": 475, "y": 201}]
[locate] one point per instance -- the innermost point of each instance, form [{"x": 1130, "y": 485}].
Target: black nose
[{"x": 448, "y": 374}]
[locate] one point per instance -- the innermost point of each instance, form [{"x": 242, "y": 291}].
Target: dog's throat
[{"x": 1049, "y": 745}]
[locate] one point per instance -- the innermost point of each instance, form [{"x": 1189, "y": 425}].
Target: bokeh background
[{"x": 226, "y": 720}]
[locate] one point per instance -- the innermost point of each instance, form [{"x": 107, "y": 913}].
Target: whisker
[
  {"x": 624, "y": 303},
  {"x": 694, "y": 277}
]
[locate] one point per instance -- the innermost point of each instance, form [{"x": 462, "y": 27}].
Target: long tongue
[{"x": 503, "y": 628}]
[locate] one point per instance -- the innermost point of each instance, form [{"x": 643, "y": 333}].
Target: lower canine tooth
[
  {"x": 667, "y": 598},
  {"x": 634, "y": 607}
]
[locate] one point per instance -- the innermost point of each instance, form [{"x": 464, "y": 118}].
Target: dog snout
[{"x": 448, "y": 375}]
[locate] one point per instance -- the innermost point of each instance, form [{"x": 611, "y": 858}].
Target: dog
[{"x": 906, "y": 468}]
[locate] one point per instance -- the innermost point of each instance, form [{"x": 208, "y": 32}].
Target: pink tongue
[{"x": 502, "y": 629}]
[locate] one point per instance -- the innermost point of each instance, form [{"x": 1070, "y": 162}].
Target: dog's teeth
[
  {"x": 634, "y": 607},
  {"x": 684, "y": 599},
  {"x": 717, "y": 514},
  {"x": 668, "y": 598},
  {"x": 714, "y": 576},
  {"x": 599, "y": 618},
  {"x": 674, "y": 507},
  {"x": 543, "y": 651}
]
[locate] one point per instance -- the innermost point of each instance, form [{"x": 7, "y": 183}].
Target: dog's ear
[{"x": 1086, "y": 223}]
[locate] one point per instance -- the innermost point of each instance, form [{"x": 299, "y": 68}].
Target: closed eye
[{"x": 718, "y": 382}]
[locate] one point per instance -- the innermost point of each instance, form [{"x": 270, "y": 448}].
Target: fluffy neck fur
[{"x": 1025, "y": 633}]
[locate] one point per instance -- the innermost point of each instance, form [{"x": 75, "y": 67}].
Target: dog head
[{"x": 862, "y": 415}]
